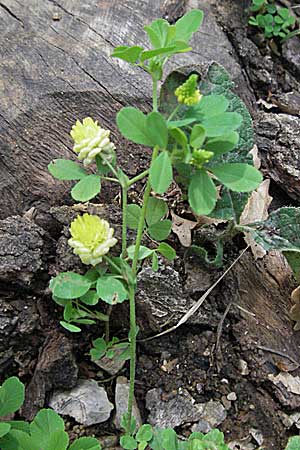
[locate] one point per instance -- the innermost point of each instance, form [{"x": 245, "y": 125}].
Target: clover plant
[
  {"x": 188, "y": 142},
  {"x": 45, "y": 432},
  {"x": 275, "y": 22}
]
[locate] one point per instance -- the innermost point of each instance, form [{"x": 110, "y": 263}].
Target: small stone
[
  {"x": 111, "y": 365},
  {"x": 213, "y": 414},
  {"x": 226, "y": 403},
  {"x": 173, "y": 412},
  {"x": 87, "y": 403},
  {"x": 232, "y": 396},
  {"x": 243, "y": 367},
  {"x": 121, "y": 399}
]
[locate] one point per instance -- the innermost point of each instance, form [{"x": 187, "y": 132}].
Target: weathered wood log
[{"x": 55, "y": 67}]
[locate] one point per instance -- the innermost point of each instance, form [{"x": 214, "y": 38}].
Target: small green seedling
[{"x": 273, "y": 21}]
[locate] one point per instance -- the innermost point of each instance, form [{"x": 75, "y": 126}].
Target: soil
[{"x": 242, "y": 334}]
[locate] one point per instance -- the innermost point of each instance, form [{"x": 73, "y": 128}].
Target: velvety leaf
[
  {"x": 128, "y": 442},
  {"x": 161, "y": 174},
  {"x": 187, "y": 25},
  {"x": 198, "y": 135},
  {"x": 11, "y": 396},
  {"x": 4, "y": 429},
  {"x": 129, "y": 54},
  {"x": 160, "y": 230},
  {"x": 293, "y": 443},
  {"x": 64, "y": 169},
  {"x": 111, "y": 290},
  {"x": 144, "y": 252},
  {"x": 132, "y": 124},
  {"x": 238, "y": 177},
  {"x": 87, "y": 188},
  {"x": 147, "y": 54},
  {"x": 133, "y": 214},
  {"x": 222, "y": 124},
  {"x": 85, "y": 443},
  {"x": 222, "y": 144},
  {"x": 202, "y": 193},
  {"x": 69, "y": 285},
  {"x": 209, "y": 106},
  {"x": 90, "y": 298},
  {"x": 167, "y": 251},
  {"x": 44, "y": 424},
  {"x": 156, "y": 210},
  {"x": 58, "y": 440},
  {"x": 70, "y": 327},
  {"x": 157, "y": 129},
  {"x": 145, "y": 433},
  {"x": 158, "y": 32}
]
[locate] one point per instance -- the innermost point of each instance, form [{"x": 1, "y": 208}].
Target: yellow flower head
[
  {"x": 91, "y": 239},
  {"x": 187, "y": 93},
  {"x": 91, "y": 140},
  {"x": 200, "y": 157}
]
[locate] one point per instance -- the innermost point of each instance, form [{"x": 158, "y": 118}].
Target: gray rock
[
  {"x": 291, "y": 53},
  {"x": 278, "y": 140},
  {"x": 121, "y": 400},
  {"x": 21, "y": 249},
  {"x": 56, "y": 369},
  {"x": 213, "y": 414},
  {"x": 87, "y": 403},
  {"x": 162, "y": 300},
  {"x": 174, "y": 412}
]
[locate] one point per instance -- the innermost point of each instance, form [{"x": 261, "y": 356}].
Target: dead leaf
[
  {"x": 183, "y": 229},
  {"x": 256, "y": 158},
  {"x": 292, "y": 384},
  {"x": 295, "y": 309},
  {"x": 256, "y": 210}
]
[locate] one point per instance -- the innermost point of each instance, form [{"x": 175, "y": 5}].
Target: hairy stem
[
  {"x": 131, "y": 287},
  {"x": 154, "y": 94},
  {"x": 108, "y": 312},
  {"x": 137, "y": 178},
  {"x": 124, "y": 221},
  {"x": 132, "y": 298}
]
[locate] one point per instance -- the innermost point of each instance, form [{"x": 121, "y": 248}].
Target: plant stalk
[
  {"x": 124, "y": 221},
  {"x": 132, "y": 298},
  {"x": 134, "y": 270}
]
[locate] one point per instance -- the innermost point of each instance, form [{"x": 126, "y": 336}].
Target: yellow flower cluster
[
  {"x": 91, "y": 238},
  {"x": 187, "y": 93},
  {"x": 91, "y": 140}
]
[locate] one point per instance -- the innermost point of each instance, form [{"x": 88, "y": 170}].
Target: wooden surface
[{"x": 55, "y": 67}]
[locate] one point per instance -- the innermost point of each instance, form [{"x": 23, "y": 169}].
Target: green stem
[
  {"x": 173, "y": 113},
  {"x": 111, "y": 167},
  {"x": 111, "y": 263},
  {"x": 142, "y": 218},
  {"x": 132, "y": 357},
  {"x": 131, "y": 287},
  {"x": 132, "y": 298},
  {"x": 137, "y": 178},
  {"x": 115, "y": 180},
  {"x": 124, "y": 222},
  {"x": 154, "y": 94},
  {"x": 108, "y": 312}
]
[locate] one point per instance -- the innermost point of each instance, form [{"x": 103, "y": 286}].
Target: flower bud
[
  {"x": 91, "y": 140},
  {"x": 91, "y": 238},
  {"x": 187, "y": 93},
  {"x": 200, "y": 157}
]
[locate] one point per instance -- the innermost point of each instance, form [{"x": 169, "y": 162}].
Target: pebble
[{"x": 232, "y": 396}]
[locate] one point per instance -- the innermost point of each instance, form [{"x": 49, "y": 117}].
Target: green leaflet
[
  {"x": 161, "y": 173},
  {"x": 87, "y": 188},
  {"x": 202, "y": 193}
]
